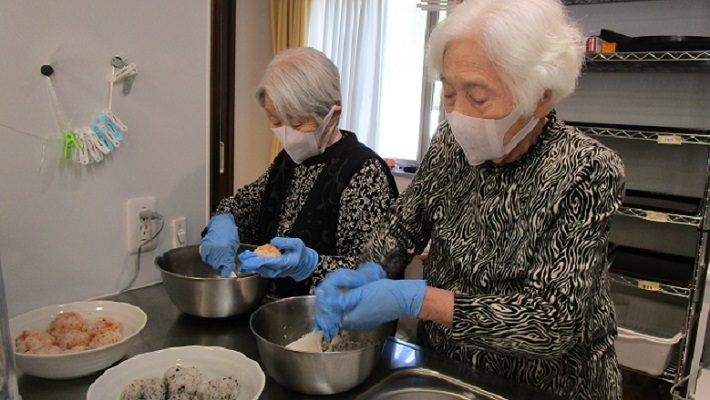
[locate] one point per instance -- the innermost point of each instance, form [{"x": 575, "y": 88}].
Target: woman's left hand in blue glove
[
  {"x": 383, "y": 300},
  {"x": 297, "y": 261}
]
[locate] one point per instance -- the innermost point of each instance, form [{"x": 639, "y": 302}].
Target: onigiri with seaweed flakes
[
  {"x": 180, "y": 379},
  {"x": 144, "y": 389},
  {"x": 183, "y": 396},
  {"x": 219, "y": 389}
]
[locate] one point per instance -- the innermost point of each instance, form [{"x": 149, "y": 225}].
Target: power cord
[
  {"x": 152, "y": 215},
  {"x": 676, "y": 386}
]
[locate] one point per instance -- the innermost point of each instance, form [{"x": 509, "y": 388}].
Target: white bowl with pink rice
[{"x": 97, "y": 344}]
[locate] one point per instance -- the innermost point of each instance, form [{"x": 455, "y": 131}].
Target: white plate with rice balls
[{"x": 182, "y": 373}]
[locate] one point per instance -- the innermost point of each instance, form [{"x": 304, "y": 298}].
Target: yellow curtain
[{"x": 289, "y": 28}]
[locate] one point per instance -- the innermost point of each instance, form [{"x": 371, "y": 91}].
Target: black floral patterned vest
[{"x": 317, "y": 222}]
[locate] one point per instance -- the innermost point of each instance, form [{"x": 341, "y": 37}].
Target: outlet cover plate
[
  {"x": 179, "y": 232},
  {"x": 133, "y": 208}
]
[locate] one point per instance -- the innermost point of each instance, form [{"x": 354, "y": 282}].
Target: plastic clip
[
  {"x": 102, "y": 143},
  {"x": 69, "y": 142},
  {"x": 106, "y": 121}
]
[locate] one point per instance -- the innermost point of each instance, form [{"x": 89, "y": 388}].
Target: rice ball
[
  {"x": 31, "y": 340},
  {"x": 219, "y": 389},
  {"x": 99, "y": 325},
  {"x": 105, "y": 338},
  {"x": 267, "y": 250},
  {"x": 49, "y": 349},
  {"x": 77, "y": 349},
  {"x": 180, "y": 379},
  {"x": 73, "y": 338},
  {"x": 183, "y": 396},
  {"x": 144, "y": 389},
  {"x": 67, "y": 321}
]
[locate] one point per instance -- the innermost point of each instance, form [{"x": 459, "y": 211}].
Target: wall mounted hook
[
  {"x": 46, "y": 70},
  {"x": 124, "y": 68}
]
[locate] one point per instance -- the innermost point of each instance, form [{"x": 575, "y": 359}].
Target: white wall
[
  {"x": 62, "y": 232},
  {"x": 251, "y": 129}
]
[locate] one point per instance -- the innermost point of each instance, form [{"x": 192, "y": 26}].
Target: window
[
  {"x": 401, "y": 88},
  {"x": 379, "y": 48}
]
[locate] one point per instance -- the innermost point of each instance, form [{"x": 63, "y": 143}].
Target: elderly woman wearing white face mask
[
  {"x": 516, "y": 209},
  {"x": 321, "y": 197}
]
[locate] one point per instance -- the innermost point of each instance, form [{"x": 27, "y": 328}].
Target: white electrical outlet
[
  {"x": 179, "y": 233},
  {"x": 139, "y": 229}
]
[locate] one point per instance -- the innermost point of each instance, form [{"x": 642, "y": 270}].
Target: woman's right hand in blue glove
[
  {"x": 219, "y": 245},
  {"x": 330, "y": 289}
]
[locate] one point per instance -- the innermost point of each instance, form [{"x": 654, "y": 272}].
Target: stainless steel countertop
[{"x": 168, "y": 327}]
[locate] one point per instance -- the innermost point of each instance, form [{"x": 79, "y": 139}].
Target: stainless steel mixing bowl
[
  {"x": 283, "y": 321},
  {"x": 197, "y": 289}
]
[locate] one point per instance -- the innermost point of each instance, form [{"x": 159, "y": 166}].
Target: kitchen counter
[{"x": 168, "y": 327}]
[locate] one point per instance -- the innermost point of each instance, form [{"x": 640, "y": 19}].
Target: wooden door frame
[{"x": 221, "y": 155}]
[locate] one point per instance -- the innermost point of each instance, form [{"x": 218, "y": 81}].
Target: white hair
[
  {"x": 533, "y": 44},
  {"x": 301, "y": 82}
]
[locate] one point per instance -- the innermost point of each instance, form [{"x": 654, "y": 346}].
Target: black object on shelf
[
  {"x": 662, "y": 202},
  {"x": 655, "y": 43},
  {"x": 411, "y": 168},
  {"x": 651, "y": 265}
]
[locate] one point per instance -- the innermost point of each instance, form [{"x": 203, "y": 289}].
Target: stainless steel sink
[
  {"x": 407, "y": 371},
  {"x": 422, "y": 383}
]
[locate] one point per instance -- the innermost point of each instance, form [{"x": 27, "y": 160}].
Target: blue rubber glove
[
  {"x": 329, "y": 291},
  {"x": 375, "y": 303},
  {"x": 297, "y": 261},
  {"x": 219, "y": 246},
  {"x": 345, "y": 278},
  {"x": 328, "y": 310}
]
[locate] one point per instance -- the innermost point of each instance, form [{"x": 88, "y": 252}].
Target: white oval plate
[{"x": 213, "y": 362}]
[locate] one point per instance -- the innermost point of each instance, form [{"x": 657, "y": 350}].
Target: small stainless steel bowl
[
  {"x": 281, "y": 322},
  {"x": 197, "y": 289}
]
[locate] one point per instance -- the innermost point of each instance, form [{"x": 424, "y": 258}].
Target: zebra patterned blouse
[
  {"x": 522, "y": 247},
  {"x": 363, "y": 203}
]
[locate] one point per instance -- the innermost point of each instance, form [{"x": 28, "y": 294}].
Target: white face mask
[
  {"x": 301, "y": 146},
  {"x": 482, "y": 139}
]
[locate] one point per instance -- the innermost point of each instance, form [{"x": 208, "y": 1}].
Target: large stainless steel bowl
[
  {"x": 281, "y": 322},
  {"x": 197, "y": 289}
]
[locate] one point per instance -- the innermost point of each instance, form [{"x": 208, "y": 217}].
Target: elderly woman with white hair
[
  {"x": 516, "y": 209},
  {"x": 319, "y": 199}
]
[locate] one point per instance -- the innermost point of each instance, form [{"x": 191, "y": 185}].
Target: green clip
[{"x": 69, "y": 141}]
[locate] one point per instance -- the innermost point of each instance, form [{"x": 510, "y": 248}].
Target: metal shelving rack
[
  {"x": 662, "y": 61},
  {"x": 699, "y": 221},
  {"x": 651, "y": 286},
  {"x": 648, "y": 61}
]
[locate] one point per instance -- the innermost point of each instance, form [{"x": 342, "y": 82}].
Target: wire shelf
[
  {"x": 668, "y": 376},
  {"x": 647, "y": 135},
  {"x": 670, "y": 373},
  {"x": 662, "y": 217},
  {"x": 650, "y": 286},
  {"x": 651, "y": 56},
  {"x": 659, "y": 61}
]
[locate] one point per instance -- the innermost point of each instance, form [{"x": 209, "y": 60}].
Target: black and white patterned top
[
  {"x": 522, "y": 247},
  {"x": 363, "y": 203}
]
